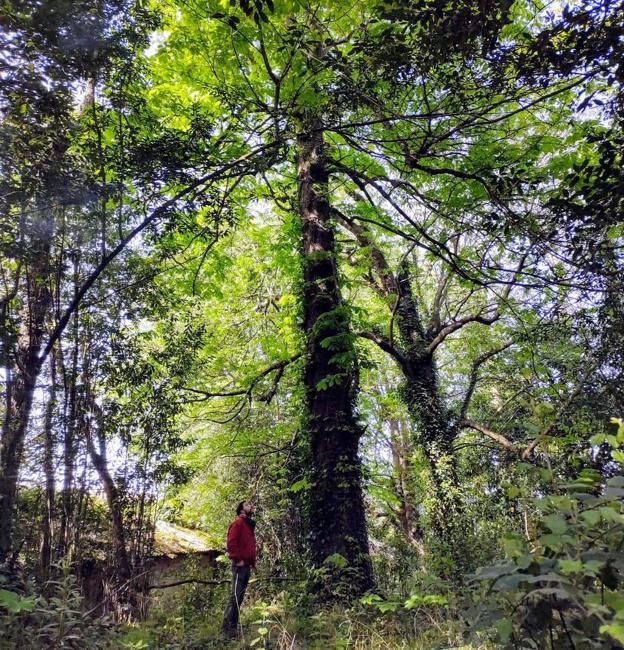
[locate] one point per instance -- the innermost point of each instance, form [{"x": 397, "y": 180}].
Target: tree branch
[
  {"x": 155, "y": 214},
  {"x": 560, "y": 411},
  {"x": 264, "y": 397},
  {"x": 498, "y": 438},
  {"x": 378, "y": 263},
  {"x": 474, "y": 374},
  {"x": 435, "y": 320},
  {"x": 384, "y": 343},
  {"x": 458, "y": 324}
]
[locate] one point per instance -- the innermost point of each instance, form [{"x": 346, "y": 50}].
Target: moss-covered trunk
[
  {"x": 337, "y": 523},
  {"x": 436, "y": 432}
]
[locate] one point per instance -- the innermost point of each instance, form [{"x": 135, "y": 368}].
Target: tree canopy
[{"x": 360, "y": 262}]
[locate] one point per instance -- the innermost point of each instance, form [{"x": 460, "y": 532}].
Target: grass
[{"x": 283, "y": 624}]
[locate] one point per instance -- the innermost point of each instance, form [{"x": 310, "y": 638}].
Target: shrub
[
  {"x": 29, "y": 620},
  {"x": 562, "y": 588}
]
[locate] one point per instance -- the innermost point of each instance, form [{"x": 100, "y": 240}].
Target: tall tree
[{"x": 336, "y": 511}]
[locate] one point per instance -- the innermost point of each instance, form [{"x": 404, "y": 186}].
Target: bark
[
  {"x": 20, "y": 401},
  {"x": 421, "y": 394},
  {"x": 120, "y": 554},
  {"x": 69, "y": 446},
  {"x": 337, "y": 523}
]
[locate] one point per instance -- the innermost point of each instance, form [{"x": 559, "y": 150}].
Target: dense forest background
[{"x": 358, "y": 262}]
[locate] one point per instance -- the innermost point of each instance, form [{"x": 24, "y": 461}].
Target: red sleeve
[{"x": 233, "y": 541}]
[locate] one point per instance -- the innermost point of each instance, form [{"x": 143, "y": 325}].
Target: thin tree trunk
[
  {"x": 69, "y": 449},
  {"x": 113, "y": 498},
  {"x": 48, "y": 468},
  {"x": 337, "y": 521},
  {"x": 120, "y": 553},
  {"x": 81, "y": 502},
  {"x": 407, "y": 514}
]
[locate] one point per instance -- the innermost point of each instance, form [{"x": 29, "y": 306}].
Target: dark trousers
[{"x": 240, "y": 580}]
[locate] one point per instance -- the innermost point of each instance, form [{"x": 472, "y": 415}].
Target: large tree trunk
[
  {"x": 437, "y": 432},
  {"x": 421, "y": 394},
  {"x": 19, "y": 406},
  {"x": 337, "y": 523}
]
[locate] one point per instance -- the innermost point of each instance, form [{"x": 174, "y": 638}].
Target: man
[{"x": 241, "y": 549}]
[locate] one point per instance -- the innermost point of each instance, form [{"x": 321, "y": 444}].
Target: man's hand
[{"x": 241, "y": 563}]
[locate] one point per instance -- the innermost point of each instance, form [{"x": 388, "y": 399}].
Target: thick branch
[
  {"x": 436, "y": 306},
  {"x": 498, "y": 438},
  {"x": 378, "y": 263},
  {"x": 444, "y": 331},
  {"x": 505, "y": 443},
  {"x": 458, "y": 324}
]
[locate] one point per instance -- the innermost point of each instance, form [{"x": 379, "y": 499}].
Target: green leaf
[
  {"x": 556, "y": 523},
  {"x": 552, "y": 541},
  {"x": 302, "y": 484},
  {"x": 14, "y": 603},
  {"x": 592, "y": 517},
  {"x": 504, "y": 627},
  {"x": 618, "y": 456},
  {"x": 570, "y": 566},
  {"x": 546, "y": 474},
  {"x": 370, "y": 599},
  {"x": 611, "y": 514},
  {"x": 592, "y": 567},
  {"x": 495, "y": 571},
  {"x": 389, "y": 606},
  {"x": 337, "y": 560},
  {"x": 615, "y": 630},
  {"x": 597, "y": 439}
]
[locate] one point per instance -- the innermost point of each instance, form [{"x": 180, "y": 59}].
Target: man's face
[{"x": 247, "y": 507}]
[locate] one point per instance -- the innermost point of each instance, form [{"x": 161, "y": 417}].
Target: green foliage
[
  {"x": 14, "y": 603},
  {"x": 563, "y": 585},
  {"x": 41, "y": 622},
  {"x": 480, "y": 147},
  {"x": 413, "y": 601}
]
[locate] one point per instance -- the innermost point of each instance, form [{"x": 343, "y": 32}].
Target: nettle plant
[{"x": 563, "y": 588}]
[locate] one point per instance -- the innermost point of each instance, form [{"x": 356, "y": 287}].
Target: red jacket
[{"x": 241, "y": 542}]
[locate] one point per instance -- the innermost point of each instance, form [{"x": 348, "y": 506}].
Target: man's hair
[{"x": 239, "y": 507}]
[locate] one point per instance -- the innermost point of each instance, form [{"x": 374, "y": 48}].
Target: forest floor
[{"x": 281, "y": 624}]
